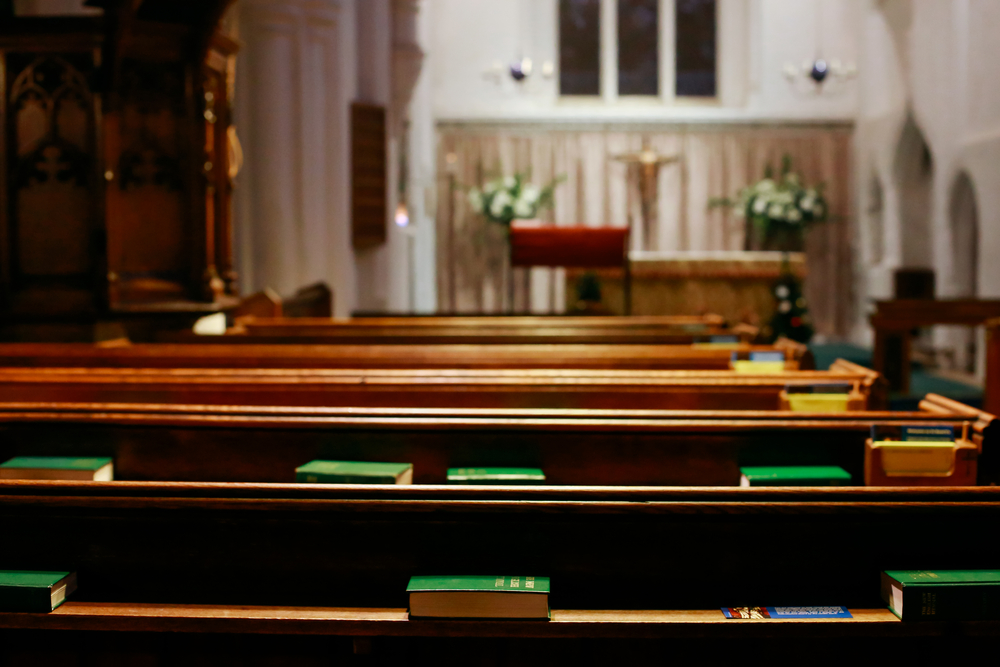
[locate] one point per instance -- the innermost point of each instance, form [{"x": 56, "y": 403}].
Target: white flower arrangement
[
  {"x": 779, "y": 207},
  {"x": 509, "y": 198}
]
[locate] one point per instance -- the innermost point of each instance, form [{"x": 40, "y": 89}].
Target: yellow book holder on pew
[
  {"x": 920, "y": 463},
  {"x": 851, "y": 400}
]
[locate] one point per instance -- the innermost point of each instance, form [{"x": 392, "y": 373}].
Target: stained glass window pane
[
  {"x": 579, "y": 47},
  {"x": 696, "y": 43},
  {"x": 638, "y": 47}
]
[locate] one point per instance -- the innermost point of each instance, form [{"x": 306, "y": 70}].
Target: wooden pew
[
  {"x": 608, "y": 447},
  {"x": 894, "y": 322},
  {"x": 523, "y": 388},
  {"x": 216, "y": 566},
  {"x": 483, "y": 331},
  {"x": 165, "y": 355},
  {"x": 314, "y": 300}
]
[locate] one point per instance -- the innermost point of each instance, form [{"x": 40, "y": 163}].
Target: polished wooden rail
[
  {"x": 485, "y": 331},
  {"x": 194, "y": 355},
  {"x": 523, "y": 388},
  {"x": 389, "y": 622}
]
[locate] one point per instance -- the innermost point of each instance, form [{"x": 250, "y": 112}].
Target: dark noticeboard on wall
[{"x": 369, "y": 175}]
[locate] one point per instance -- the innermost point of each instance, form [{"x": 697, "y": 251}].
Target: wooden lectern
[{"x": 571, "y": 247}]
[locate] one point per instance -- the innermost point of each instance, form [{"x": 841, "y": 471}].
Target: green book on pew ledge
[
  {"x": 794, "y": 476},
  {"x": 354, "y": 472},
  {"x": 34, "y": 592},
  {"x": 942, "y": 595},
  {"x": 470, "y": 596},
  {"x": 97, "y": 469},
  {"x": 496, "y": 476}
]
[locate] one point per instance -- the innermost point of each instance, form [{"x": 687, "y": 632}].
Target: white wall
[
  {"x": 302, "y": 64},
  {"x": 937, "y": 62},
  {"x": 757, "y": 38},
  {"x": 295, "y": 79}
]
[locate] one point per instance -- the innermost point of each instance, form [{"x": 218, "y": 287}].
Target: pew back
[
  {"x": 165, "y": 355},
  {"x": 487, "y": 330},
  {"x": 265, "y": 444},
  {"x": 528, "y": 388}
]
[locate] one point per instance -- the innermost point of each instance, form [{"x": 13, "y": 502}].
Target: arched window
[
  {"x": 914, "y": 172},
  {"x": 965, "y": 236}
]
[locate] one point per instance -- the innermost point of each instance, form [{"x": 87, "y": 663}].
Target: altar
[{"x": 737, "y": 285}]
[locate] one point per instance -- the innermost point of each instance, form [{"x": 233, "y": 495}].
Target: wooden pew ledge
[{"x": 141, "y": 617}]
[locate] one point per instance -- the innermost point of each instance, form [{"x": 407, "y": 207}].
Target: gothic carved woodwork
[
  {"x": 116, "y": 172},
  {"x": 51, "y": 216}
]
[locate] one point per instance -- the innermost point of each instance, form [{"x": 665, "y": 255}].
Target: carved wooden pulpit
[
  {"x": 116, "y": 166},
  {"x": 571, "y": 247}
]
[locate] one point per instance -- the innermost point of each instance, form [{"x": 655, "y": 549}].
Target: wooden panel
[
  {"x": 568, "y": 246},
  {"x": 149, "y": 222},
  {"x": 369, "y": 175}
]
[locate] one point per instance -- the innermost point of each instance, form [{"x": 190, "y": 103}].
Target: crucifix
[{"x": 649, "y": 162}]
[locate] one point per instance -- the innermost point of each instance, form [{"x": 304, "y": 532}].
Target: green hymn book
[
  {"x": 354, "y": 472},
  {"x": 470, "y": 596},
  {"x": 97, "y": 469},
  {"x": 942, "y": 595},
  {"x": 496, "y": 476},
  {"x": 35, "y": 592},
  {"x": 794, "y": 476}
]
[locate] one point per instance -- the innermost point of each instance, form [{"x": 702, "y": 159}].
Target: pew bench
[{"x": 629, "y": 567}]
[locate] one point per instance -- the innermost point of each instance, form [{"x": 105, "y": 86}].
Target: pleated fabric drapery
[{"x": 597, "y": 190}]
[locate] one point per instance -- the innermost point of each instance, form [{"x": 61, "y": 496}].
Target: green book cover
[
  {"x": 942, "y": 595},
  {"x": 34, "y": 591},
  {"x": 56, "y": 462},
  {"x": 473, "y": 596},
  {"x": 496, "y": 476},
  {"x": 58, "y": 467},
  {"x": 794, "y": 476},
  {"x": 476, "y": 583},
  {"x": 354, "y": 472}
]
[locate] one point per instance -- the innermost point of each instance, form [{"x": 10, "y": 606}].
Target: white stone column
[
  {"x": 294, "y": 86},
  {"x": 422, "y": 166},
  {"x": 389, "y": 62}
]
